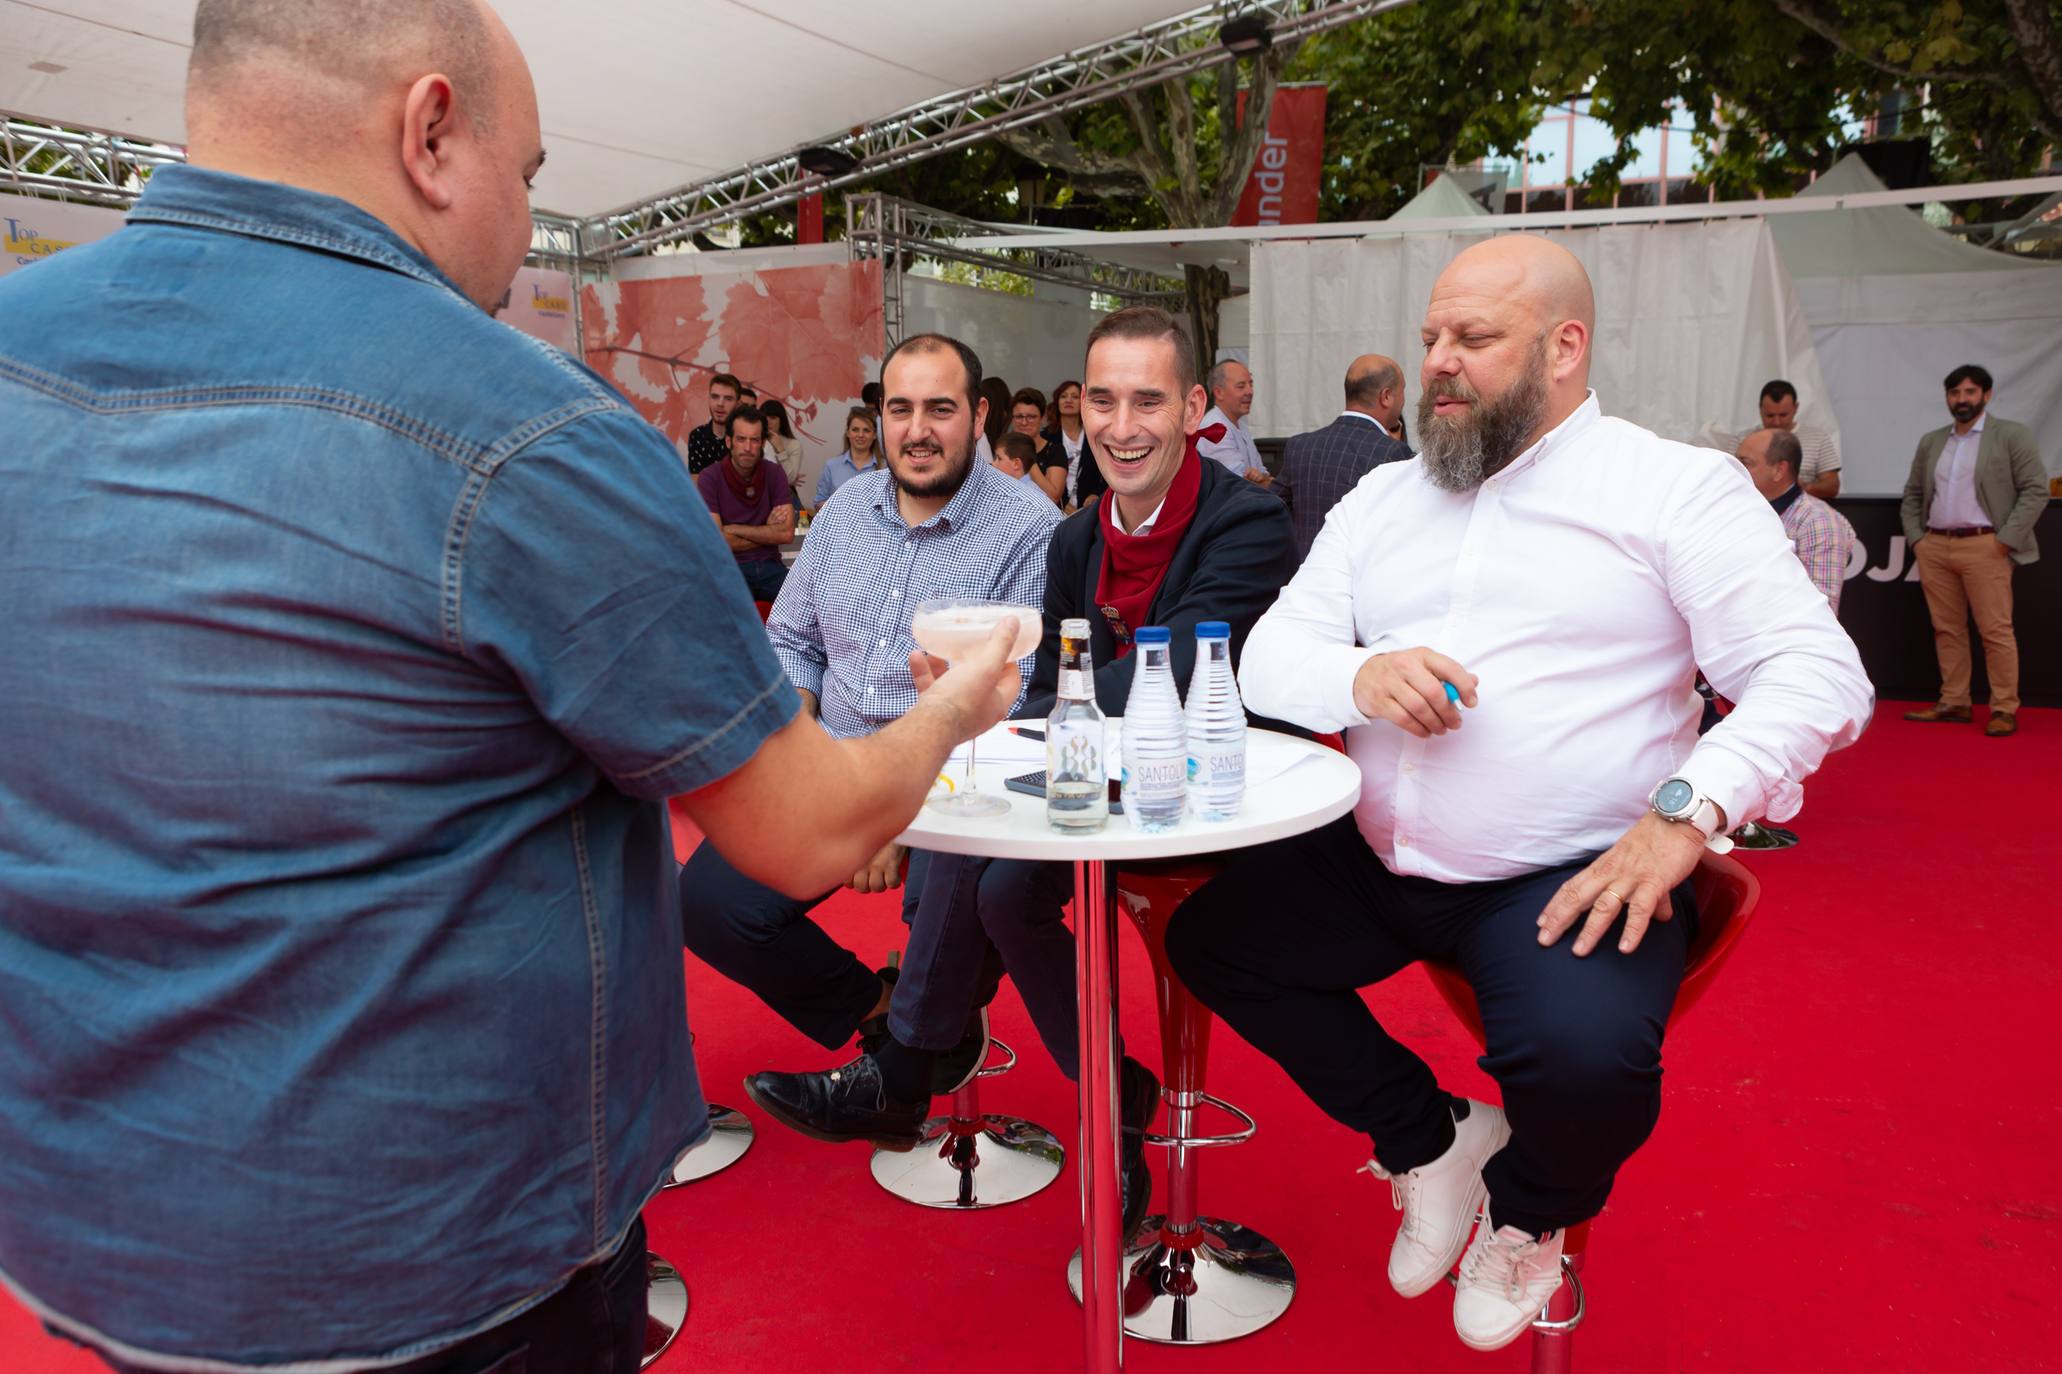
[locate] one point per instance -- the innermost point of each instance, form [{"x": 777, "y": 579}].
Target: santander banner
[{"x": 1284, "y": 186}]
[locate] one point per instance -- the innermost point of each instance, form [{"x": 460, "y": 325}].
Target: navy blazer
[
  {"x": 1320, "y": 467},
  {"x": 1232, "y": 561}
]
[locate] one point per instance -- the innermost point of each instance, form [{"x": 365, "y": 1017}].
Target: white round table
[{"x": 1293, "y": 786}]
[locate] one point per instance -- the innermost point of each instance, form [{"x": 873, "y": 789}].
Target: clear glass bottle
[
  {"x": 1155, "y": 743},
  {"x": 1216, "y": 728},
  {"x": 1077, "y": 794}
]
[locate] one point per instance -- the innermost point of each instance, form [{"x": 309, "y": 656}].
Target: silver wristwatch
[{"x": 1677, "y": 799}]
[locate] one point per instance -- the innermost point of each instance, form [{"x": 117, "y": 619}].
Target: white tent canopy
[
  {"x": 657, "y": 96},
  {"x": 1691, "y": 318},
  {"x": 1443, "y": 199},
  {"x": 1894, "y": 304}
]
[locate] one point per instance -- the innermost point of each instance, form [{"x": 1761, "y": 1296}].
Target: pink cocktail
[{"x": 951, "y": 629}]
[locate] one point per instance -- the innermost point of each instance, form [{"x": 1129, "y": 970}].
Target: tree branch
[
  {"x": 1242, "y": 150},
  {"x": 1049, "y": 144},
  {"x": 2033, "y": 28},
  {"x": 1807, "y": 13}
]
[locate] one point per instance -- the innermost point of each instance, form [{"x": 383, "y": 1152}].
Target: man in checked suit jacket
[
  {"x": 1975, "y": 490},
  {"x": 1320, "y": 467}
]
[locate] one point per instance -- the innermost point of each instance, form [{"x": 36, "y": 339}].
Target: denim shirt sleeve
[{"x": 587, "y": 568}]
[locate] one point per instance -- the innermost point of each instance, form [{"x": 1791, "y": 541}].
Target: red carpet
[{"x": 1859, "y": 1164}]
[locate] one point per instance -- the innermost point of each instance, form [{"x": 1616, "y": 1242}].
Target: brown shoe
[
  {"x": 1960, "y": 715},
  {"x": 2002, "y": 723}
]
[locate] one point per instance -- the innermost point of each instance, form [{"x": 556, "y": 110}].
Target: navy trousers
[
  {"x": 764, "y": 577},
  {"x": 765, "y": 940},
  {"x": 972, "y": 911},
  {"x": 1281, "y": 943}
]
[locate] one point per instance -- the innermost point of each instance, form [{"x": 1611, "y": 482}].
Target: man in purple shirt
[{"x": 752, "y": 503}]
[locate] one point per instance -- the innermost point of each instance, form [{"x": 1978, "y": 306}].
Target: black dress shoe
[
  {"x": 1138, "y": 1097},
  {"x": 846, "y": 1103}
]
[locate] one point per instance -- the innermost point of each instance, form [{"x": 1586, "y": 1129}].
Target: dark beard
[
  {"x": 945, "y": 485},
  {"x": 1965, "y": 412},
  {"x": 1461, "y": 453}
]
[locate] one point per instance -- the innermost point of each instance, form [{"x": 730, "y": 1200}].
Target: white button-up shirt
[
  {"x": 1954, "y": 482},
  {"x": 1584, "y": 585},
  {"x": 1236, "y": 450}
]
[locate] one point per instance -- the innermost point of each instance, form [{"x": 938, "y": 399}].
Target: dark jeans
[
  {"x": 764, "y": 577},
  {"x": 765, "y": 940},
  {"x": 1281, "y": 943},
  {"x": 593, "y": 1325},
  {"x": 971, "y": 911}
]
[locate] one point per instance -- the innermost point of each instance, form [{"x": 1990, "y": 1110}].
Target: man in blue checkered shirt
[{"x": 935, "y": 524}]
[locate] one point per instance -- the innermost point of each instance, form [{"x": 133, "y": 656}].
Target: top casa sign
[{"x": 32, "y": 231}]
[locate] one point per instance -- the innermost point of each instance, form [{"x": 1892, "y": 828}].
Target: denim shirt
[{"x": 348, "y": 641}]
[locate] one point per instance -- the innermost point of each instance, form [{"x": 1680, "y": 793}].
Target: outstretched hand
[{"x": 1632, "y": 878}]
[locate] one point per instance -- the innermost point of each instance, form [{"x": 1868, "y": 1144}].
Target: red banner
[
  {"x": 1283, "y": 188},
  {"x": 809, "y": 218}
]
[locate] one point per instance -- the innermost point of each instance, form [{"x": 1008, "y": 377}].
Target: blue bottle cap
[
  {"x": 1151, "y": 634},
  {"x": 1213, "y": 629}
]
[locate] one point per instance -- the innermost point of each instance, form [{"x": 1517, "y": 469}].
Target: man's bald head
[
  {"x": 1772, "y": 458},
  {"x": 1374, "y": 386},
  {"x": 1507, "y": 339},
  {"x": 420, "y": 112}
]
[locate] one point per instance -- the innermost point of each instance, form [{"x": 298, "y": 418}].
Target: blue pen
[{"x": 1453, "y": 693}]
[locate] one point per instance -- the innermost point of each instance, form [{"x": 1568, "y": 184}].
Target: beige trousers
[{"x": 1960, "y": 576}]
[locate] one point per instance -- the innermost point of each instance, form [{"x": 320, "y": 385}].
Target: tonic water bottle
[{"x": 1077, "y": 794}]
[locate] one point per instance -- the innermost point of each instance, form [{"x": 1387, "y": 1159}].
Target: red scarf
[
  {"x": 742, "y": 490},
  {"x": 1134, "y": 565}
]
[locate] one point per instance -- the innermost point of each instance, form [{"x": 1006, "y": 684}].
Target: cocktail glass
[{"x": 950, "y": 628}]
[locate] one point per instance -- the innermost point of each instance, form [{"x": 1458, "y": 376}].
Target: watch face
[{"x": 1674, "y": 797}]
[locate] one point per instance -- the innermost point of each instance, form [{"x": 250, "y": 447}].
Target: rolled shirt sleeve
[
  {"x": 1780, "y": 655},
  {"x": 590, "y": 575}
]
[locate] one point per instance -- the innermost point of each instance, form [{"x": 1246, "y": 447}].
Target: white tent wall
[
  {"x": 1033, "y": 340},
  {"x": 1692, "y": 318}
]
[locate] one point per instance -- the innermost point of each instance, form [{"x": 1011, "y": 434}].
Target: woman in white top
[
  {"x": 1063, "y": 427},
  {"x": 781, "y": 444}
]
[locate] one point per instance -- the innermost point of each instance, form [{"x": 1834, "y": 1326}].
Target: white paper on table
[{"x": 1267, "y": 756}]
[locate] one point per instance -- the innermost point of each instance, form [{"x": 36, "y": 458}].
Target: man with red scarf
[
  {"x": 1179, "y": 541},
  {"x": 752, "y": 503}
]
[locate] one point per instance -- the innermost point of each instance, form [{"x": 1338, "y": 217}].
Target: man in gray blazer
[
  {"x": 1975, "y": 490},
  {"x": 1320, "y": 467}
]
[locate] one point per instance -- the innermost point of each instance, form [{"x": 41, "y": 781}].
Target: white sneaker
[
  {"x": 1439, "y": 1201},
  {"x": 1507, "y": 1277}
]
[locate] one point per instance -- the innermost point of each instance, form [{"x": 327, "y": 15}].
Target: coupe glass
[{"x": 949, "y": 629}]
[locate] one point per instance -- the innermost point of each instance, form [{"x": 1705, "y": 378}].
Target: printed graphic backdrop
[
  {"x": 540, "y": 303},
  {"x": 809, "y": 337},
  {"x": 32, "y": 230}
]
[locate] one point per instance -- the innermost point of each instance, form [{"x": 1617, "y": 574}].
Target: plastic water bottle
[
  {"x": 1155, "y": 750},
  {"x": 1216, "y": 728},
  {"x": 1077, "y": 795}
]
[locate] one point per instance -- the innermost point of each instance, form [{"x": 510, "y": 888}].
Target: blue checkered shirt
[{"x": 841, "y": 624}]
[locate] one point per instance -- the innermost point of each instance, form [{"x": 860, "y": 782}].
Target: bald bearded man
[
  {"x": 1566, "y": 574},
  {"x": 353, "y": 641},
  {"x": 1320, "y": 467}
]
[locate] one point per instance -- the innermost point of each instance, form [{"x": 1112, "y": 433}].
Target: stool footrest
[
  {"x": 1009, "y": 1062},
  {"x": 1199, "y": 1142},
  {"x": 1567, "y": 1324}
]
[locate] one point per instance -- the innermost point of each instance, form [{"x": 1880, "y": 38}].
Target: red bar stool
[
  {"x": 1726, "y": 896},
  {"x": 1190, "y": 1279},
  {"x": 665, "y": 1307},
  {"x": 966, "y": 1160}
]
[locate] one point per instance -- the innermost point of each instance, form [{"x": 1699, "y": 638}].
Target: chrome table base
[
  {"x": 1218, "y": 1283},
  {"x": 970, "y": 1163},
  {"x": 665, "y": 1298},
  {"x": 730, "y": 1135}
]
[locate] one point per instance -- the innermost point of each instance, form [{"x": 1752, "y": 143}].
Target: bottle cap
[
  {"x": 1151, "y": 634},
  {"x": 1213, "y": 629},
  {"x": 1074, "y": 628}
]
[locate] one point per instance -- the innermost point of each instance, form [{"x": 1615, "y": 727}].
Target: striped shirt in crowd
[
  {"x": 1823, "y": 540},
  {"x": 841, "y": 625}
]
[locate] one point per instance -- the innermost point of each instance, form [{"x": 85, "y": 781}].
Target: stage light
[
  {"x": 826, "y": 162},
  {"x": 1246, "y": 35}
]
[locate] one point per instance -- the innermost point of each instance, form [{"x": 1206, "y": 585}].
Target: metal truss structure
[
  {"x": 896, "y": 231},
  {"x": 1178, "y": 47},
  {"x": 81, "y": 165}
]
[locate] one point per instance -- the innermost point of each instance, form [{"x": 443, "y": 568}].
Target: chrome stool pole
[
  {"x": 730, "y": 1135},
  {"x": 1191, "y": 1279},
  {"x": 665, "y": 1305},
  {"x": 966, "y": 1160}
]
